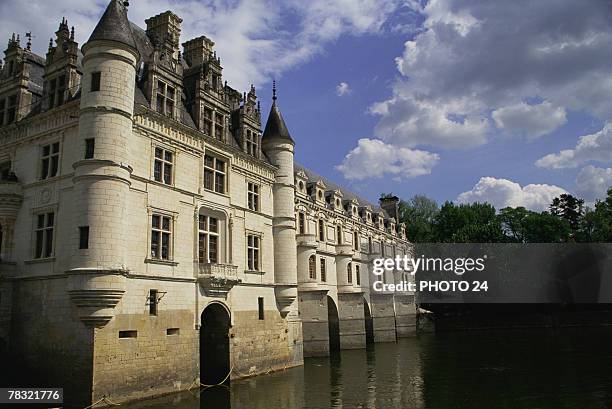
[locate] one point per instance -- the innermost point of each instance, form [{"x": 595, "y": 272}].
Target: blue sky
[{"x": 506, "y": 102}]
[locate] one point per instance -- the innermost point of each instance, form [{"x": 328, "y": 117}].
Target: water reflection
[{"x": 504, "y": 369}]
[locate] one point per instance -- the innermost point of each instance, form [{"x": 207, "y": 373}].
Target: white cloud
[
  {"x": 503, "y": 192},
  {"x": 532, "y": 121},
  {"x": 374, "y": 159},
  {"x": 594, "y": 147},
  {"x": 473, "y": 58},
  {"x": 593, "y": 183},
  {"x": 343, "y": 89},
  {"x": 252, "y": 36}
]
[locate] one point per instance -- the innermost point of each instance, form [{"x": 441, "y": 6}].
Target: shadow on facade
[
  {"x": 214, "y": 345},
  {"x": 333, "y": 324}
]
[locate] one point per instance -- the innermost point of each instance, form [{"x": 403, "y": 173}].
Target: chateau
[{"x": 152, "y": 236}]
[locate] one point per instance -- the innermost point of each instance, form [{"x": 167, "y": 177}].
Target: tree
[
  {"x": 600, "y": 220},
  {"x": 569, "y": 208},
  {"x": 467, "y": 223},
  {"x": 418, "y": 214}
]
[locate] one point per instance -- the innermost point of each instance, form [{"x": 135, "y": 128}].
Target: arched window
[
  {"x": 349, "y": 273},
  {"x": 357, "y": 274},
  {"x": 302, "y": 223},
  {"x": 323, "y": 269},
  {"x": 339, "y": 234},
  {"x": 312, "y": 267},
  {"x": 356, "y": 240},
  {"x": 321, "y": 230}
]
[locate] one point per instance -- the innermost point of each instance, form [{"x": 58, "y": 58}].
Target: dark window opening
[
  {"x": 173, "y": 331},
  {"x": 153, "y": 302},
  {"x": 128, "y": 334},
  {"x": 84, "y": 237},
  {"x": 95, "y": 81},
  {"x": 90, "y": 147},
  {"x": 260, "y": 305}
]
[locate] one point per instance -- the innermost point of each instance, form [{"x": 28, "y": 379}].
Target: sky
[{"x": 508, "y": 102}]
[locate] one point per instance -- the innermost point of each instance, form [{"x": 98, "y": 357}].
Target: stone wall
[
  {"x": 406, "y": 316},
  {"x": 352, "y": 322},
  {"x": 152, "y": 362},
  {"x": 313, "y": 312},
  {"x": 383, "y": 317},
  {"x": 51, "y": 344}
]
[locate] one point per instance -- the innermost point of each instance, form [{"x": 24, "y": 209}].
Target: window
[
  {"x": 253, "y": 247},
  {"x": 90, "y": 147},
  {"x": 11, "y": 109},
  {"x": 356, "y": 240},
  {"x": 302, "y": 223},
  {"x": 165, "y": 99},
  {"x": 162, "y": 168},
  {"x": 2, "y": 110},
  {"x": 214, "y": 174},
  {"x": 253, "y": 196},
  {"x": 260, "y": 307},
  {"x": 161, "y": 233},
  {"x": 370, "y": 247},
  {"x": 128, "y": 334},
  {"x": 45, "y": 223},
  {"x": 358, "y": 274},
  {"x": 50, "y": 160},
  {"x": 5, "y": 170},
  {"x": 51, "y": 92},
  {"x": 95, "y": 81},
  {"x": 251, "y": 142},
  {"x": 84, "y": 237},
  {"x": 173, "y": 331},
  {"x": 312, "y": 268},
  {"x": 61, "y": 89},
  {"x": 323, "y": 264},
  {"x": 219, "y": 126},
  {"x": 321, "y": 230},
  {"x": 208, "y": 239},
  {"x": 349, "y": 273},
  {"x": 339, "y": 234},
  {"x": 153, "y": 302},
  {"x": 208, "y": 114}
]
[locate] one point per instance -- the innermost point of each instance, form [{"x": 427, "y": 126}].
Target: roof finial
[
  {"x": 274, "y": 90},
  {"x": 72, "y": 33},
  {"x": 29, "y": 44}
]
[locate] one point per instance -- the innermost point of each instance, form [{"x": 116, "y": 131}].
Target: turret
[
  {"x": 278, "y": 145},
  {"x": 102, "y": 175}
]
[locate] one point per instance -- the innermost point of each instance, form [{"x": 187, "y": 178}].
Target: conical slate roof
[
  {"x": 114, "y": 25},
  {"x": 275, "y": 127}
]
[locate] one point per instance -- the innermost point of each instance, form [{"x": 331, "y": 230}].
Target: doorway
[{"x": 214, "y": 345}]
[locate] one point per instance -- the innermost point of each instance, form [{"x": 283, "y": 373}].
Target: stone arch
[
  {"x": 333, "y": 325},
  {"x": 214, "y": 344},
  {"x": 369, "y": 322}
]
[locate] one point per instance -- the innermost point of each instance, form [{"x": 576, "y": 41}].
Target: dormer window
[
  {"x": 219, "y": 125},
  {"x": 208, "y": 121},
  {"x": 56, "y": 92},
  {"x": 2, "y": 110},
  {"x": 251, "y": 142},
  {"x": 301, "y": 186},
  {"x": 11, "y": 109},
  {"x": 165, "y": 99}
]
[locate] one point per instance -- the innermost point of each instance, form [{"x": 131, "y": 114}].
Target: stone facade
[{"x": 144, "y": 213}]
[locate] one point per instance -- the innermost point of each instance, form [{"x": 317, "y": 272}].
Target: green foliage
[{"x": 567, "y": 220}]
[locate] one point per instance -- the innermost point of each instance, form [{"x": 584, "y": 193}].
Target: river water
[{"x": 514, "y": 369}]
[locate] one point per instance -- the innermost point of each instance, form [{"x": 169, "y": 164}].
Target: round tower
[
  {"x": 102, "y": 175},
  {"x": 278, "y": 146}
]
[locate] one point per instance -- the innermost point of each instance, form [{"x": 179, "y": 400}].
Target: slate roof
[
  {"x": 275, "y": 126},
  {"x": 114, "y": 25},
  {"x": 346, "y": 194}
]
